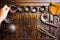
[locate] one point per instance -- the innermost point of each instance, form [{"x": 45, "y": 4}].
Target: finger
[
  {"x": 7, "y": 10},
  {"x": 4, "y": 8}
]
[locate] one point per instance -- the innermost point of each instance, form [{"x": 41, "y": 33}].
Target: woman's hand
[{"x": 3, "y": 13}]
